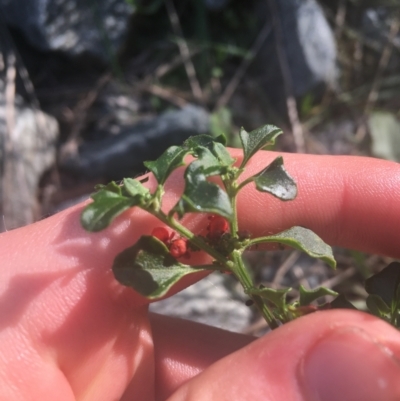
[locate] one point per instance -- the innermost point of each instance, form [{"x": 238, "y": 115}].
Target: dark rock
[
  {"x": 75, "y": 27},
  {"x": 376, "y": 24},
  {"x": 309, "y": 46},
  {"x": 216, "y": 4},
  {"x": 118, "y": 156}
]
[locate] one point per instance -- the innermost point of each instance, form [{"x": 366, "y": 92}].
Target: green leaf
[
  {"x": 111, "y": 186},
  {"x": 222, "y": 154},
  {"x": 341, "y": 302},
  {"x": 308, "y": 296},
  {"x": 204, "y": 197},
  {"x": 106, "y": 205},
  {"x": 134, "y": 188},
  {"x": 201, "y": 195},
  {"x": 257, "y": 139},
  {"x": 205, "y": 166},
  {"x": 377, "y": 305},
  {"x": 275, "y": 180},
  {"x": 215, "y": 145},
  {"x": 149, "y": 268},
  {"x": 277, "y": 297},
  {"x": 206, "y": 141},
  {"x": 385, "y": 283},
  {"x": 305, "y": 240},
  {"x": 171, "y": 159}
]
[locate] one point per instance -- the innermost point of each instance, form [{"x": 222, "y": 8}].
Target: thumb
[{"x": 328, "y": 356}]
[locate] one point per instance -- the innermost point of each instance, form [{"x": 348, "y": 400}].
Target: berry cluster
[
  {"x": 179, "y": 247},
  {"x": 217, "y": 227}
]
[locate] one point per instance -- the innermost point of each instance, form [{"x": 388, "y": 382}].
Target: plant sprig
[{"x": 154, "y": 263}]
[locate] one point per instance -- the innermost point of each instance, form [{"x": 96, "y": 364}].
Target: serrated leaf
[
  {"x": 385, "y": 284},
  {"x": 105, "y": 207},
  {"x": 255, "y": 140},
  {"x": 277, "y": 297},
  {"x": 134, "y": 188},
  {"x": 341, "y": 302},
  {"x": 149, "y": 269},
  {"x": 377, "y": 305},
  {"x": 222, "y": 154},
  {"x": 308, "y": 296},
  {"x": 171, "y": 159},
  {"x": 111, "y": 186},
  {"x": 305, "y": 240},
  {"x": 204, "y": 197},
  {"x": 201, "y": 195},
  {"x": 205, "y": 141},
  {"x": 275, "y": 180},
  {"x": 205, "y": 166}
]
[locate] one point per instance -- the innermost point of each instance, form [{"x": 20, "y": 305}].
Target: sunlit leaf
[
  {"x": 134, "y": 188},
  {"x": 277, "y": 297},
  {"x": 201, "y": 195},
  {"x": 204, "y": 197},
  {"x": 275, "y": 180},
  {"x": 255, "y": 140},
  {"x": 308, "y": 296},
  {"x": 105, "y": 207},
  {"x": 171, "y": 159},
  {"x": 205, "y": 141},
  {"x": 222, "y": 154},
  {"x": 206, "y": 165},
  {"x": 149, "y": 268},
  {"x": 305, "y": 240}
]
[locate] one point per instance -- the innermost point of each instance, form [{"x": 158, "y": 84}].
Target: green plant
[{"x": 154, "y": 263}]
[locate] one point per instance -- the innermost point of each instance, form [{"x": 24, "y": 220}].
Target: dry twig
[
  {"x": 79, "y": 113},
  {"x": 234, "y": 82},
  {"x": 291, "y": 105},
  {"x": 376, "y": 84},
  {"x": 184, "y": 50}
]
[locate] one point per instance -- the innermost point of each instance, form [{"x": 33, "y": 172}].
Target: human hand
[{"x": 70, "y": 331}]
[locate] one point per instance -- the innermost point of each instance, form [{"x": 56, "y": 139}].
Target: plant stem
[
  {"x": 240, "y": 271},
  {"x": 195, "y": 240}
]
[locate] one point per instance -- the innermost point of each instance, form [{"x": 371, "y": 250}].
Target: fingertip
[{"x": 288, "y": 363}]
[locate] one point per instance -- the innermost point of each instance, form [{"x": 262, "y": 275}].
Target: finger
[
  {"x": 64, "y": 317},
  {"x": 182, "y": 349},
  {"x": 61, "y": 303},
  {"x": 335, "y": 355},
  {"x": 349, "y": 201}
]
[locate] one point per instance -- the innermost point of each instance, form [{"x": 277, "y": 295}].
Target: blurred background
[{"x": 89, "y": 89}]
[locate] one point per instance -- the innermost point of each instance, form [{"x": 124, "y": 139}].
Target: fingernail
[{"x": 349, "y": 365}]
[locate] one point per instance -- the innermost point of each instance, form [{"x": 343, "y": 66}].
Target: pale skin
[{"x": 69, "y": 331}]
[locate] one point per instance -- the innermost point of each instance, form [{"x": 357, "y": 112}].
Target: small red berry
[
  {"x": 217, "y": 227},
  {"x": 178, "y": 248},
  {"x": 162, "y": 234}
]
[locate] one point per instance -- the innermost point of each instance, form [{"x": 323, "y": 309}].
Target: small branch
[
  {"x": 285, "y": 267},
  {"x": 184, "y": 50},
  {"x": 291, "y": 105},
  {"x": 164, "y": 69},
  {"x": 374, "y": 92},
  {"x": 165, "y": 94},
  {"x": 340, "y": 19},
  {"x": 234, "y": 82},
  {"x": 80, "y": 113}
]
